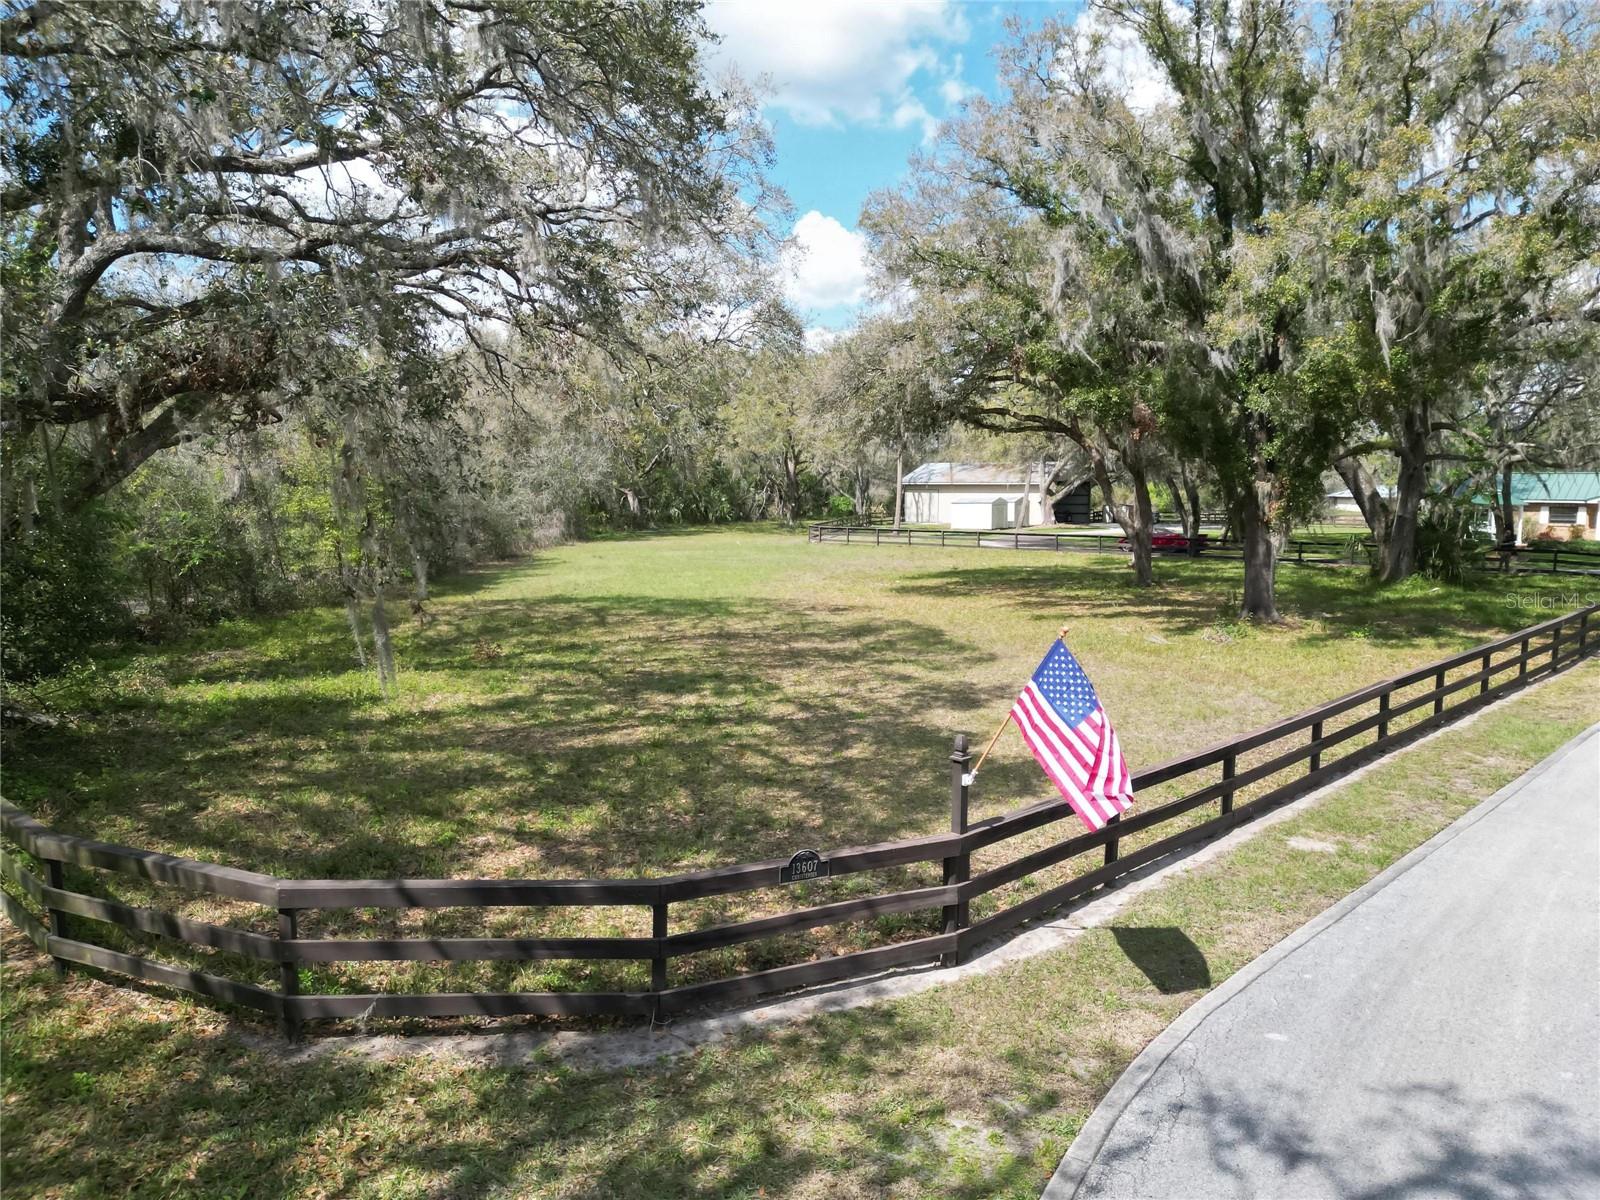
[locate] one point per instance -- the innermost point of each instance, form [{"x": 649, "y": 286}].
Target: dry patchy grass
[
  {"x": 653, "y": 704},
  {"x": 971, "y": 1090}
]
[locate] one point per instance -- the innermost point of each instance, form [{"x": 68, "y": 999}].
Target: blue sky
[{"x": 854, "y": 87}]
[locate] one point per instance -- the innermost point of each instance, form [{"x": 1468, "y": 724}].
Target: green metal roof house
[{"x": 1559, "y": 501}]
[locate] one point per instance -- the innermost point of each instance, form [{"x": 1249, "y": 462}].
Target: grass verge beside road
[{"x": 971, "y": 1090}]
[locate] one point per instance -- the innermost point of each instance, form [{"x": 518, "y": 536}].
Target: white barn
[
  {"x": 1342, "y": 503},
  {"x": 951, "y": 493}
]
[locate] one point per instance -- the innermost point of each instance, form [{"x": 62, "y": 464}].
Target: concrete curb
[{"x": 1080, "y": 1156}]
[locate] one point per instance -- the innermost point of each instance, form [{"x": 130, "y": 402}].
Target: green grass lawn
[
  {"x": 969, "y": 1090},
  {"x": 650, "y": 704}
]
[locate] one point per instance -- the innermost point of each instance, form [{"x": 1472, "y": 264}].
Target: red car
[{"x": 1167, "y": 540}]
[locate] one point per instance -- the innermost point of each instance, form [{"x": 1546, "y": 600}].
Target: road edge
[{"x": 1080, "y": 1156}]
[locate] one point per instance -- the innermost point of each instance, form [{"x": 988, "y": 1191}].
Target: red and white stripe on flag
[{"x": 1084, "y": 760}]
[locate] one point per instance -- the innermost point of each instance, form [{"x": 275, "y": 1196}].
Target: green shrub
[
  {"x": 189, "y": 549},
  {"x": 1448, "y": 542},
  {"x": 59, "y": 593}
]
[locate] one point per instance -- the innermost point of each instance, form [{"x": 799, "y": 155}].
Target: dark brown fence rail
[
  {"x": 1299, "y": 763},
  {"x": 1323, "y": 550}
]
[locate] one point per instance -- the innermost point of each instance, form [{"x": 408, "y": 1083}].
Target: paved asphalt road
[{"x": 1437, "y": 1034}]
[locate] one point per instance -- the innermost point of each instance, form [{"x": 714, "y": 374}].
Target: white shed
[
  {"x": 1342, "y": 503},
  {"x": 934, "y": 490},
  {"x": 980, "y": 514}
]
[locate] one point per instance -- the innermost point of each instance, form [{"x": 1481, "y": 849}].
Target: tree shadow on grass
[
  {"x": 609, "y": 736},
  {"x": 1092, "y": 588},
  {"x": 1190, "y": 597},
  {"x": 161, "y": 1107}
]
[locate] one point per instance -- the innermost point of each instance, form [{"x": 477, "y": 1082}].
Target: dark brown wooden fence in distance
[
  {"x": 1536, "y": 559},
  {"x": 1455, "y": 686}
]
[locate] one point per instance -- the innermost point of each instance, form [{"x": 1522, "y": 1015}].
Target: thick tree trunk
[
  {"x": 1399, "y": 558},
  {"x": 1189, "y": 524},
  {"x": 1260, "y": 554},
  {"x": 1375, "y": 510},
  {"x": 1191, "y": 487},
  {"x": 1142, "y": 518},
  {"x": 1048, "y": 479},
  {"x": 1019, "y": 519},
  {"x": 1510, "y": 535},
  {"x": 791, "y": 486},
  {"x": 1233, "y": 522},
  {"x": 1134, "y": 519}
]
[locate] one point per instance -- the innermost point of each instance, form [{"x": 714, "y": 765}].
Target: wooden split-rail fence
[
  {"x": 1535, "y": 559},
  {"x": 1299, "y": 761}
]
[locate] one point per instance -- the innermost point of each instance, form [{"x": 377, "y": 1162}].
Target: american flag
[{"x": 1063, "y": 724}]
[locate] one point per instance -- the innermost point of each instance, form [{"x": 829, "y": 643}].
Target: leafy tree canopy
[{"x": 215, "y": 210}]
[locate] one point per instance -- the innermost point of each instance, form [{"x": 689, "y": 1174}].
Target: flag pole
[
  {"x": 992, "y": 741},
  {"x": 1062, "y": 636}
]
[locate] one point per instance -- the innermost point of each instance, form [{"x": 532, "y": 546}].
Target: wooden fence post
[
  {"x": 56, "y": 878},
  {"x": 1316, "y": 755},
  {"x": 1438, "y": 692},
  {"x": 1483, "y": 684},
  {"x": 1522, "y": 659},
  {"x": 658, "y": 961},
  {"x": 1230, "y": 766},
  {"x": 1583, "y": 632},
  {"x": 1383, "y": 716},
  {"x": 288, "y": 971},
  {"x": 957, "y": 866}
]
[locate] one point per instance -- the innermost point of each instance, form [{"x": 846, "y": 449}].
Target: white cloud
[
  {"x": 819, "y": 337},
  {"x": 831, "y": 61},
  {"x": 825, "y": 265},
  {"x": 912, "y": 111},
  {"x": 1127, "y": 64},
  {"x": 955, "y": 91}
]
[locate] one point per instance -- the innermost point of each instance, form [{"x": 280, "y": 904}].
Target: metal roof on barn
[
  {"x": 1563, "y": 487},
  {"x": 971, "y": 475}
]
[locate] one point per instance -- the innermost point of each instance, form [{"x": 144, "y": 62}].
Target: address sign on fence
[{"x": 805, "y": 866}]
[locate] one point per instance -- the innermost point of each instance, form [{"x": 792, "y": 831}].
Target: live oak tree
[
  {"x": 1190, "y": 188},
  {"x": 206, "y": 205},
  {"x": 1455, "y": 237},
  {"x": 1328, "y": 236},
  {"x": 1092, "y": 259},
  {"x": 1010, "y": 350}
]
